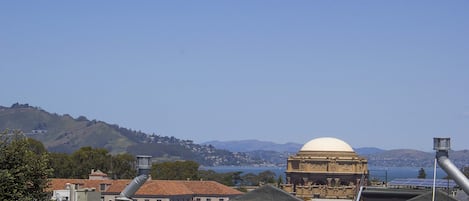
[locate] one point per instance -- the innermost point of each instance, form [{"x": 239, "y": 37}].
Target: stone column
[
  {"x": 305, "y": 180},
  {"x": 337, "y": 180}
]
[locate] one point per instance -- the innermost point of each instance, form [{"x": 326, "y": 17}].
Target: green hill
[{"x": 63, "y": 133}]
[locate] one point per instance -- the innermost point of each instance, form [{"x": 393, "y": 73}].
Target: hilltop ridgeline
[{"x": 63, "y": 133}]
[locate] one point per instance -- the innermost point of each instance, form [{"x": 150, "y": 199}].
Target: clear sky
[{"x": 388, "y": 74}]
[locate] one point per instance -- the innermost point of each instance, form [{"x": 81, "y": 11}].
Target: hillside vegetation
[{"x": 65, "y": 134}]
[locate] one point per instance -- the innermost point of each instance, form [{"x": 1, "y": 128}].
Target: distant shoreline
[{"x": 378, "y": 172}]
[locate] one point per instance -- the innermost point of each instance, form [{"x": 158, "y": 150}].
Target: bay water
[{"x": 380, "y": 173}]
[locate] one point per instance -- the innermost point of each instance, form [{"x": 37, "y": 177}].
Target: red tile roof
[
  {"x": 153, "y": 187},
  {"x": 210, "y": 188},
  {"x": 57, "y": 184}
]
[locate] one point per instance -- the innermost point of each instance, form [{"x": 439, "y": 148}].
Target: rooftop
[
  {"x": 152, "y": 187},
  {"x": 439, "y": 183},
  {"x": 267, "y": 193}
]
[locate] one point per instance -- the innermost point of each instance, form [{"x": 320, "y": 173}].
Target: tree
[
  {"x": 226, "y": 178},
  {"x": 422, "y": 174},
  {"x": 122, "y": 167},
  {"x": 237, "y": 178},
  {"x": 82, "y": 118},
  {"x": 87, "y": 158},
  {"x": 279, "y": 180},
  {"x": 62, "y": 165},
  {"x": 36, "y": 146},
  {"x": 250, "y": 179},
  {"x": 80, "y": 162},
  {"x": 267, "y": 177},
  {"x": 178, "y": 170},
  {"x": 23, "y": 172},
  {"x": 209, "y": 175}
]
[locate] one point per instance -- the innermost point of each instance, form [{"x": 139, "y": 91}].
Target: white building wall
[{"x": 61, "y": 195}]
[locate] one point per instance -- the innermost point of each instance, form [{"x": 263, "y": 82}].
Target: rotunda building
[{"x": 325, "y": 167}]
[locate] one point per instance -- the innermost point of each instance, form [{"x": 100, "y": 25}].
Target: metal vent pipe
[
  {"x": 442, "y": 146},
  {"x": 143, "y": 169}
]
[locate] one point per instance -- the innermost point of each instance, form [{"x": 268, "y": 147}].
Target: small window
[
  {"x": 221, "y": 199},
  {"x": 102, "y": 187},
  {"x": 208, "y": 199},
  {"x": 147, "y": 200},
  {"x": 198, "y": 199}
]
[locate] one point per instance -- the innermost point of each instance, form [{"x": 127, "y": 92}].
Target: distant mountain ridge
[
  {"x": 255, "y": 145},
  {"x": 63, "y": 133},
  {"x": 278, "y": 153},
  {"x": 258, "y": 145}
]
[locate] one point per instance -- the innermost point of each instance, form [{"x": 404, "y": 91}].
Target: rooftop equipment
[
  {"x": 143, "y": 170},
  {"x": 442, "y": 146}
]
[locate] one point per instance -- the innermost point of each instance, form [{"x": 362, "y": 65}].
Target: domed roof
[{"x": 327, "y": 144}]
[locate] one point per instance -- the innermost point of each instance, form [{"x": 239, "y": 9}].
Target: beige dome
[{"x": 327, "y": 144}]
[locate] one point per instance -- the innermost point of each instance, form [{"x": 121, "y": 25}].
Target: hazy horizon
[{"x": 383, "y": 74}]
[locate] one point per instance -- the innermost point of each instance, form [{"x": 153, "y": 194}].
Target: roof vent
[
  {"x": 143, "y": 164},
  {"x": 441, "y": 144}
]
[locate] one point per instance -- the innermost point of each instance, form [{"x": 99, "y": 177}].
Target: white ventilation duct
[
  {"x": 442, "y": 146},
  {"x": 143, "y": 168}
]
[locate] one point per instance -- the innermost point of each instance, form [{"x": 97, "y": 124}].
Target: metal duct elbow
[
  {"x": 442, "y": 147},
  {"x": 132, "y": 188},
  {"x": 453, "y": 171},
  {"x": 143, "y": 167}
]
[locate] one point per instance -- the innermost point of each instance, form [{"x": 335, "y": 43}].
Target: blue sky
[{"x": 388, "y": 74}]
